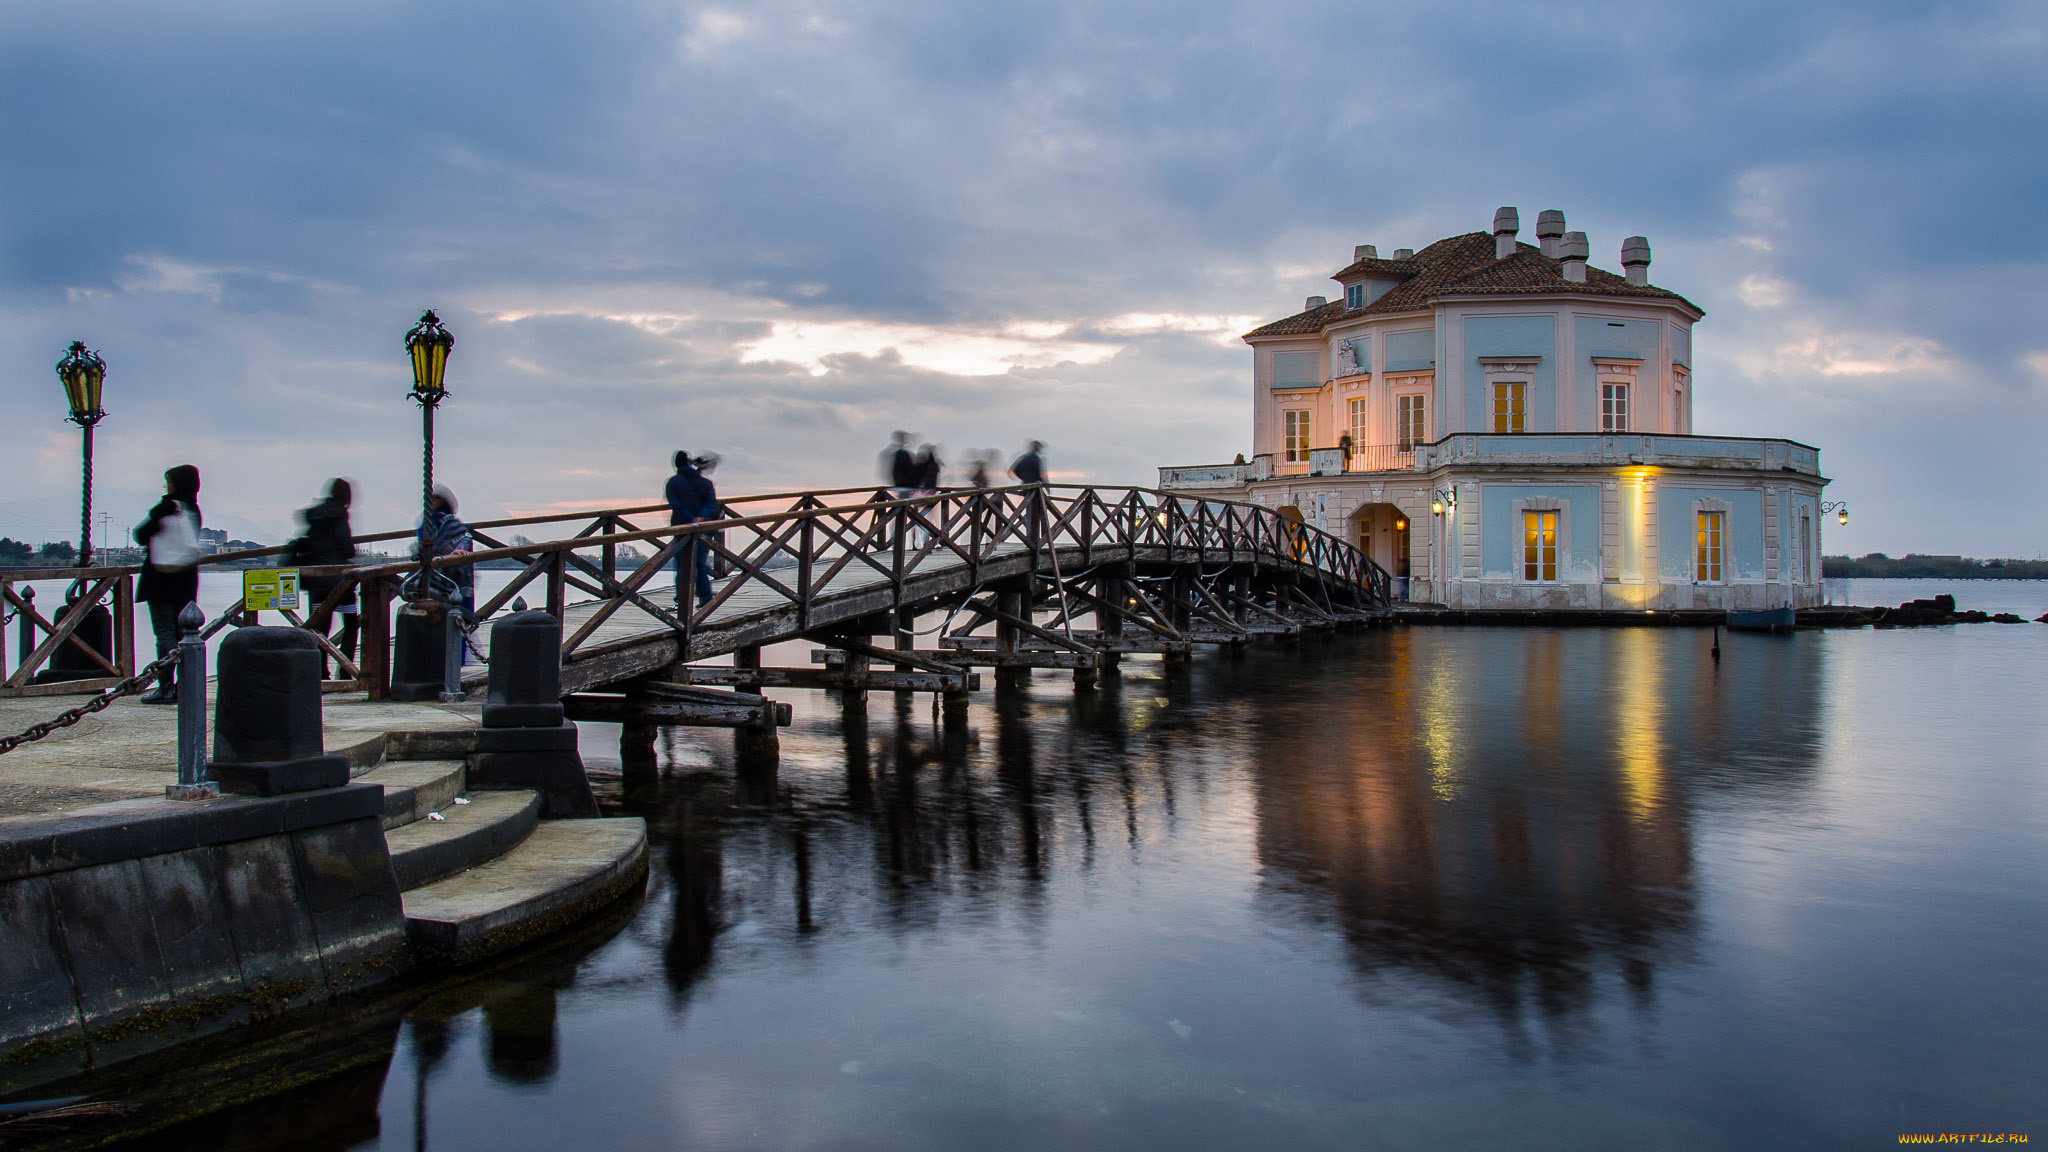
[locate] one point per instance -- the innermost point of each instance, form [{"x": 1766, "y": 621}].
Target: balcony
[
  {"x": 1610, "y": 449},
  {"x": 1267, "y": 465}
]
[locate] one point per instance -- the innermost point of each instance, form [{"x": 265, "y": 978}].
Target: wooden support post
[
  {"x": 905, "y": 633},
  {"x": 1110, "y": 624},
  {"x": 375, "y": 663},
  {"x": 1012, "y": 603},
  {"x": 747, "y": 657},
  {"x": 636, "y": 749},
  {"x": 857, "y": 668}
]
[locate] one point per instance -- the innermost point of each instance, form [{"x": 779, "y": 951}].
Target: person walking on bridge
[
  {"x": 1030, "y": 469},
  {"x": 691, "y": 500},
  {"x": 170, "y": 575},
  {"x": 328, "y": 540}
]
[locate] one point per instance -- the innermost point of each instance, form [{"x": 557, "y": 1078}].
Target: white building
[{"x": 1509, "y": 427}]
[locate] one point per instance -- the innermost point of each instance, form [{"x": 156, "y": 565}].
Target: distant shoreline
[{"x": 1878, "y": 566}]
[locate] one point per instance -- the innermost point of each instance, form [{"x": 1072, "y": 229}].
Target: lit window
[
  {"x": 1711, "y": 547},
  {"x": 1614, "y": 407},
  {"x": 1294, "y": 437},
  {"x": 1354, "y": 296},
  {"x": 1511, "y": 407},
  {"x": 1356, "y": 411},
  {"x": 1411, "y": 421},
  {"x": 1539, "y": 546}
]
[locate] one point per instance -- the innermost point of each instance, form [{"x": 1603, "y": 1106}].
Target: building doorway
[{"x": 1382, "y": 532}]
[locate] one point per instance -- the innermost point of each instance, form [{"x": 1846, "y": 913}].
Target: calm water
[{"x": 1430, "y": 888}]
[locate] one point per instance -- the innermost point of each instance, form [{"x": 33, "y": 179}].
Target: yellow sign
[{"x": 269, "y": 589}]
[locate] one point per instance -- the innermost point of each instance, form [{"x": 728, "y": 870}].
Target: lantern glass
[
  {"x": 83, "y": 374},
  {"x": 1436, "y": 506},
  {"x": 429, "y": 344},
  {"x": 1844, "y": 517}
]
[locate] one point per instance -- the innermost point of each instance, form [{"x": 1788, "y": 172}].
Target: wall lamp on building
[
  {"x": 1444, "y": 498},
  {"x": 83, "y": 373},
  {"x": 1840, "y": 507}
]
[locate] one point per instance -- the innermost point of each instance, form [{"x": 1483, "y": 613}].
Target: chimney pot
[
  {"x": 1404, "y": 253},
  {"x": 1549, "y": 230},
  {"x": 1506, "y": 222},
  {"x": 1365, "y": 252},
  {"x": 1315, "y": 302},
  {"x": 1635, "y": 259},
  {"x": 1572, "y": 251}
]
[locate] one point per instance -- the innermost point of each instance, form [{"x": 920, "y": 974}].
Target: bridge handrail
[{"x": 967, "y": 523}]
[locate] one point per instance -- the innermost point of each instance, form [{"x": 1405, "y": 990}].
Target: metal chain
[{"x": 126, "y": 687}]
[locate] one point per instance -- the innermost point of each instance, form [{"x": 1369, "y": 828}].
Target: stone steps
[
  {"x": 562, "y": 871},
  {"x": 467, "y": 835},
  {"x": 413, "y": 788}
]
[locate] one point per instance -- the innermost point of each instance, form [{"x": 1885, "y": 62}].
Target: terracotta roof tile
[{"x": 1456, "y": 266}]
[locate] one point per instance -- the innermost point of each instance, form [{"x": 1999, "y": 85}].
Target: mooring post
[
  {"x": 757, "y": 750},
  {"x": 1109, "y": 589},
  {"x": 192, "y": 782},
  {"x": 855, "y": 694}
]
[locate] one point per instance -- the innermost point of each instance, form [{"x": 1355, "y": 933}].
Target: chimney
[
  {"x": 1315, "y": 302},
  {"x": 1571, "y": 249},
  {"x": 1404, "y": 253},
  {"x": 1506, "y": 222},
  {"x": 1635, "y": 259},
  {"x": 1549, "y": 230},
  {"x": 1364, "y": 252}
]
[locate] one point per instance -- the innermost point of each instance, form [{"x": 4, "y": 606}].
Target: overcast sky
[{"x": 779, "y": 230}]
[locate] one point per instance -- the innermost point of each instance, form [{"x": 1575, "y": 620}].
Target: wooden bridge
[{"x": 1037, "y": 576}]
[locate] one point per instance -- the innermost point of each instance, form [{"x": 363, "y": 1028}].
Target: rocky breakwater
[{"x": 1911, "y": 614}]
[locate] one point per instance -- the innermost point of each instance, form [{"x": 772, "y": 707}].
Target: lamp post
[
  {"x": 83, "y": 372},
  {"x": 428, "y": 343},
  {"x": 1442, "y": 499}
]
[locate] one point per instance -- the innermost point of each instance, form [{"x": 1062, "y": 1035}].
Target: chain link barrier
[{"x": 66, "y": 719}]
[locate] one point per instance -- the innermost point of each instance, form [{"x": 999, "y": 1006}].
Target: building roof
[{"x": 1460, "y": 266}]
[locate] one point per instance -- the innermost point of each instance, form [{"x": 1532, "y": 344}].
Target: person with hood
[
  {"x": 328, "y": 540},
  {"x": 691, "y": 500},
  {"x": 170, "y": 574},
  {"x": 441, "y": 534}
]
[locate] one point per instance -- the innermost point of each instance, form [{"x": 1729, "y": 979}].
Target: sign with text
[{"x": 269, "y": 589}]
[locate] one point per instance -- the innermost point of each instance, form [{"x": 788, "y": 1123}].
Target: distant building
[{"x": 1502, "y": 425}]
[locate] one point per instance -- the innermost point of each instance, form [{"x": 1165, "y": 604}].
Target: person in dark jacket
[
  {"x": 1030, "y": 467},
  {"x": 691, "y": 500},
  {"x": 170, "y": 575},
  {"x": 328, "y": 540}
]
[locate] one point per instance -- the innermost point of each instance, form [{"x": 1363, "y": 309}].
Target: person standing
[
  {"x": 689, "y": 494},
  {"x": 170, "y": 575},
  {"x": 328, "y": 540},
  {"x": 442, "y": 534},
  {"x": 978, "y": 474},
  {"x": 1030, "y": 469}
]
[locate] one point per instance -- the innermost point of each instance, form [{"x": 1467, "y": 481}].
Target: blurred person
[
  {"x": 328, "y": 540},
  {"x": 977, "y": 473},
  {"x": 1030, "y": 467},
  {"x": 170, "y": 574},
  {"x": 931, "y": 471},
  {"x": 441, "y": 533}
]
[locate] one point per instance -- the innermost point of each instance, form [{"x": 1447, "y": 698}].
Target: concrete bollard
[
  {"x": 525, "y": 742},
  {"x": 267, "y": 736},
  {"x": 426, "y": 657}
]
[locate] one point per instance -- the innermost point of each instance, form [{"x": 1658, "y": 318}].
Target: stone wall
[{"x": 131, "y": 926}]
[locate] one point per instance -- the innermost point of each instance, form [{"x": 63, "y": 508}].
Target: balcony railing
[{"x": 1737, "y": 452}]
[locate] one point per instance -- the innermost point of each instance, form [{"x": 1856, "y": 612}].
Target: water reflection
[
  {"x": 1504, "y": 821},
  {"x": 1499, "y": 813}
]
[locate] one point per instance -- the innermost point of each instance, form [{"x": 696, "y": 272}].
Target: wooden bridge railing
[{"x": 795, "y": 546}]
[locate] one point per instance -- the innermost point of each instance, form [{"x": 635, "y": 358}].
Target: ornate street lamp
[
  {"x": 1840, "y": 507},
  {"x": 83, "y": 372},
  {"x": 428, "y": 343}
]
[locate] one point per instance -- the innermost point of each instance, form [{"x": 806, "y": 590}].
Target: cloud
[{"x": 780, "y": 229}]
